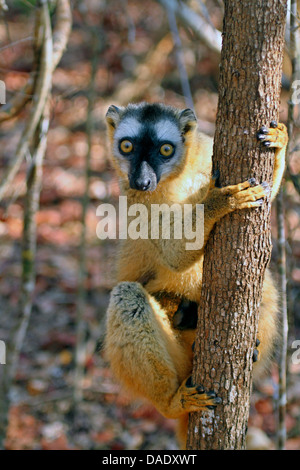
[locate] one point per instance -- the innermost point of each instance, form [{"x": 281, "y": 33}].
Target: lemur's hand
[
  {"x": 246, "y": 195},
  {"x": 274, "y": 136}
]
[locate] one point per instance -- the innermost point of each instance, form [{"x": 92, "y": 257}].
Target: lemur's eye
[
  {"x": 166, "y": 150},
  {"x": 126, "y": 146}
]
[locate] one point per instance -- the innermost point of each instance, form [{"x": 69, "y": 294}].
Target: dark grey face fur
[{"x": 149, "y": 141}]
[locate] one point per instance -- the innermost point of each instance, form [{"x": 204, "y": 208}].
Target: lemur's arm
[
  {"x": 219, "y": 202},
  {"x": 222, "y": 201}
]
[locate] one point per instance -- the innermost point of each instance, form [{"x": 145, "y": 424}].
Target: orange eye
[
  {"x": 166, "y": 150},
  {"x": 126, "y": 146}
]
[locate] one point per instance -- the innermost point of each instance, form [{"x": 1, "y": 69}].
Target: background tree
[{"x": 239, "y": 248}]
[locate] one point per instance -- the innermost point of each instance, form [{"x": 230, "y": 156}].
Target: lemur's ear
[
  {"x": 187, "y": 120},
  {"x": 113, "y": 115}
]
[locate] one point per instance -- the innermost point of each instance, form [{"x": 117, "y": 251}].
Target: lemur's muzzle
[{"x": 144, "y": 178}]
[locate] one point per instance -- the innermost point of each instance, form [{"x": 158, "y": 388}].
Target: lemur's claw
[
  {"x": 255, "y": 355},
  {"x": 274, "y": 124},
  {"x": 263, "y": 130},
  {"x": 252, "y": 181},
  {"x": 266, "y": 187}
]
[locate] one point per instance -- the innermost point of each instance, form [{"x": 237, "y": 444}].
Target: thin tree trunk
[
  {"x": 81, "y": 327},
  {"x": 280, "y": 211},
  {"x": 239, "y": 249}
]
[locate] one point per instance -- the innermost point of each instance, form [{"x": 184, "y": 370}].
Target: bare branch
[
  {"x": 146, "y": 74},
  {"x": 61, "y": 31},
  {"x": 43, "y": 86},
  {"x": 39, "y": 122},
  {"x": 60, "y": 35},
  {"x": 180, "y": 59},
  {"x": 209, "y": 35},
  {"x": 280, "y": 212},
  {"x": 15, "y": 43},
  {"x": 34, "y": 180},
  {"x": 3, "y": 5},
  {"x": 80, "y": 352},
  {"x": 50, "y": 57}
]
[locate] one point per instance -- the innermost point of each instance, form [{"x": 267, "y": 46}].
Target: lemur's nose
[{"x": 143, "y": 183}]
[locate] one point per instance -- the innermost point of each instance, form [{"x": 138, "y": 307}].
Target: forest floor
[{"x": 41, "y": 416}]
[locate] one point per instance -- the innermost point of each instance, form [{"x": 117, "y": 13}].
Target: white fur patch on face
[
  {"x": 167, "y": 130},
  {"x": 129, "y": 127}
]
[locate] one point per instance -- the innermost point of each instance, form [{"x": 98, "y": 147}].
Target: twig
[
  {"x": 3, "y": 5},
  {"x": 41, "y": 121},
  {"x": 180, "y": 59},
  {"x": 130, "y": 24},
  {"x": 35, "y": 136},
  {"x": 39, "y": 100},
  {"x": 146, "y": 74},
  {"x": 61, "y": 31},
  {"x": 280, "y": 211},
  {"x": 41, "y": 87},
  {"x": 204, "y": 31},
  {"x": 34, "y": 180},
  {"x": 80, "y": 351},
  {"x": 15, "y": 43},
  {"x": 60, "y": 35}
]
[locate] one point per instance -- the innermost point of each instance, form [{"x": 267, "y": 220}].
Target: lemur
[{"x": 161, "y": 157}]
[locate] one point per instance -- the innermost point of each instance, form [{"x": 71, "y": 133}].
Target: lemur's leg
[
  {"x": 277, "y": 137},
  {"x": 146, "y": 356}
]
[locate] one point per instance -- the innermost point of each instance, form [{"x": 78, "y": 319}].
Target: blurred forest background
[{"x": 119, "y": 51}]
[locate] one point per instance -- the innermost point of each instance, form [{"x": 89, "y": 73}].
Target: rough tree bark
[{"x": 239, "y": 248}]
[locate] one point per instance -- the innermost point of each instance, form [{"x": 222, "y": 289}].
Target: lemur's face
[{"x": 148, "y": 141}]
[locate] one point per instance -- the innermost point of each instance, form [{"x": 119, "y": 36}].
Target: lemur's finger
[
  {"x": 252, "y": 182},
  {"x": 236, "y": 188}
]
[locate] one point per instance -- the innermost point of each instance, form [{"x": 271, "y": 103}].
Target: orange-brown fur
[{"x": 146, "y": 353}]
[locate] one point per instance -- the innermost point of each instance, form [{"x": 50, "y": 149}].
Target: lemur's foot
[
  {"x": 274, "y": 136},
  {"x": 187, "y": 399},
  {"x": 194, "y": 397},
  {"x": 247, "y": 195}
]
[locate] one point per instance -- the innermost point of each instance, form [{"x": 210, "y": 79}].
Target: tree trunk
[{"x": 239, "y": 248}]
